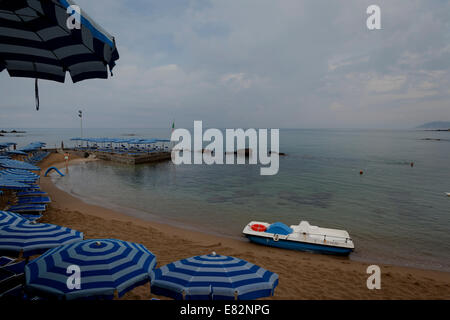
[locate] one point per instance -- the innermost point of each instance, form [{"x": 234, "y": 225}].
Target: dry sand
[{"x": 301, "y": 275}]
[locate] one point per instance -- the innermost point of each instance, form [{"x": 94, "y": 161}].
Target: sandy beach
[{"x": 301, "y": 275}]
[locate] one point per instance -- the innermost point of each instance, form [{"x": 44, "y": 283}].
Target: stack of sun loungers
[
  {"x": 12, "y": 278},
  {"x": 31, "y": 202}
]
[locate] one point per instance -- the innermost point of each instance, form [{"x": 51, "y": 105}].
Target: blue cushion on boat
[{"x": 279, "y": 228}]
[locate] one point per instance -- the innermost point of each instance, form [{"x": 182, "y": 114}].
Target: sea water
[{"x": 396, "y": 213}]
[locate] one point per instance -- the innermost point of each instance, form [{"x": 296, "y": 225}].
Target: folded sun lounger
[
  {"x": 6, "y": 260},
  {"x": 34, "y": 193},
  {"x": 31, "y": 217},
  {"x": 11, "y": 276},
  {"x": 30, "y": 208},
  {"x": 33, "y": 200}
]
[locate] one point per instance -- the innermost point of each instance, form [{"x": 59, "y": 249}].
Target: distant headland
[
  {"x": 436, "y": 126},
  {"x": 2, "y": 132}
]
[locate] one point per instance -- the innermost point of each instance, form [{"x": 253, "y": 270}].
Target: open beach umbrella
[
  {"x": 213, "y": 277},
  {"x": 10, "y": 218},
  {"x": 27, "y": 238},
  {"x": 106, "y": 266},
  {"x": 42, "y": 39}
]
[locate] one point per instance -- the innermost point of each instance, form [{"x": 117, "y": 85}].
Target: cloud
[
  {"x": 385, "y": 83},
  {"x": 254, "y": 63}
]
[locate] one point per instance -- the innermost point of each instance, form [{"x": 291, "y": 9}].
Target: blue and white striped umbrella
[
  {"x": 43, "y": 39},
  {"x": 27, "y": 238},
  {"x": 213, "y": 277},
  {"x": 10, "y": 218},
  {"x": 106, "y": 266}
]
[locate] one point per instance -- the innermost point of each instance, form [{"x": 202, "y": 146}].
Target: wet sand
[{"x": 301, "y": 275}]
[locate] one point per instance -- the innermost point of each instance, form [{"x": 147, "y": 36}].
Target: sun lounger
[
  {"x": 28, "y": 208},
  {"x": 33, "y": 200},
  {"x": 31, "y": 217},
  {"x": 15, "y": 293},
  {"x": 33, "y": 187},
  {"x": 11, "y": 276},
  {"x": 6, "y": 260},
  {"x": 34, "y": 193}
]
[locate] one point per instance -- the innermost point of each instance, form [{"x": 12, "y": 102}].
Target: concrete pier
[{"x": 150, "y": 157}]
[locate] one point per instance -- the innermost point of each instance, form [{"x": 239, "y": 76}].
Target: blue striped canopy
[
  {"x": 10, "y": 218},
  {"x": 28, "y": 238},
  {"x": 120, "y": 140},
  {"x": 213, "y": 277},
  {"x": 35, "y": 42},
  {"x": 106, "y": 265}
]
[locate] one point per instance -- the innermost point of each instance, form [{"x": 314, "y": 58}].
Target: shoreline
[{"x": 302, "y": 275}]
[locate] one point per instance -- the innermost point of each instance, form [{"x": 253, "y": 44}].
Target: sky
[{"x": 254, "y": 63}]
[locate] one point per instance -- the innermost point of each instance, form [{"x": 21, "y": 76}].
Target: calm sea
[{"x": 394, "y": 212}]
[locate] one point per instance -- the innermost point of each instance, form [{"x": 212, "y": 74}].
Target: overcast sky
[{"x": 254, "y": 63}]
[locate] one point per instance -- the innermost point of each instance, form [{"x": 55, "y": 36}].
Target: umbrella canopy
[
  {"x": 106, "y": 265},
  {"x": 10, "y": 218},
  {"x": 36, "y": 42},
  {"x": 213, "y": 277},
  {"x": 28, "y": 238}
]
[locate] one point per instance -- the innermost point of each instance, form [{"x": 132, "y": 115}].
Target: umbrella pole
[{"x": 36, "y": 92}]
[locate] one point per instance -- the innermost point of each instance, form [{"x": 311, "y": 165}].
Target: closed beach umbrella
[
  {"x": 10, "y": 218},
  {"x": 27, "y": 238},
  {"x": 42, "y": 39},
  {"x": 106, "y": 266},
  {"x": 213, "y": 277}
]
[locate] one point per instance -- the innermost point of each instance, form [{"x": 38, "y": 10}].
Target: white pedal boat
[{"x": 304, "y": 237}]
